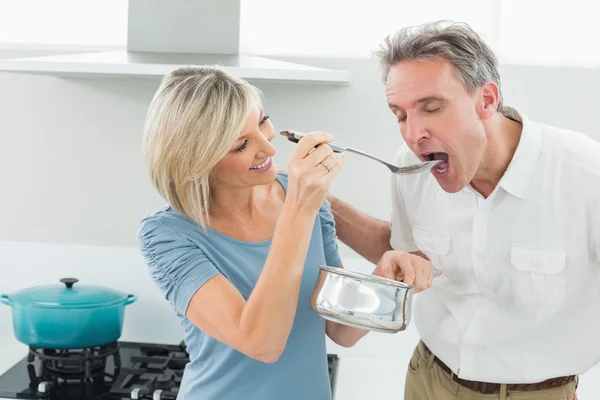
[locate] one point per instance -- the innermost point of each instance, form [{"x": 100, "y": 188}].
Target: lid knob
[{"x": 69, "y": 282}]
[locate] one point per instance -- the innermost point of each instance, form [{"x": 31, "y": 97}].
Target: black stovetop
[{"x": 122, "y": 370}]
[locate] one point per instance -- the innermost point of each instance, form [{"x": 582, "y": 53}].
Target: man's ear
[{"x": 490, "y": 98}]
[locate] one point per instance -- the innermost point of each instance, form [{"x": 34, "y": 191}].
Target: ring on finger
[{"x": 327, "y": 166}]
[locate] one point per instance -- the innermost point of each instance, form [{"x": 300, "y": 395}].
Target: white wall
[
  {"x": 70, "y": 148},
  {"x": 71, "y": 173}
]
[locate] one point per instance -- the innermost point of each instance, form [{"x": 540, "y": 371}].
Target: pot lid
[{"x": 68, "y": 295}]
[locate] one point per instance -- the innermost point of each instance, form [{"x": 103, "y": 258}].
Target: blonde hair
[{"x": 194, "y": 119}]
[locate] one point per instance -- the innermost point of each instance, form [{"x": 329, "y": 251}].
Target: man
[{"x": 510, "y": 218}]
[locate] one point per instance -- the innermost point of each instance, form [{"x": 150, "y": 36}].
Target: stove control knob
[
  {"x": 157, "y": 395},
  {"x": 44, "y": 388},
  {"x": 135, "y": 394}
]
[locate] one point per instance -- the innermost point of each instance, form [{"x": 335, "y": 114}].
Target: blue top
[{"x": 181, "y": 258}]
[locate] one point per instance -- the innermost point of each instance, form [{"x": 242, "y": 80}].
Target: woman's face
[{"x": 249, "y": 162}]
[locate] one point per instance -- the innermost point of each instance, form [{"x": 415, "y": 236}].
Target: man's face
[{"x": 439, "y": 119}]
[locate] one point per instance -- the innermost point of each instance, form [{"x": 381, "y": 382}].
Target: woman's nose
[{"x": 266, "y": 146}]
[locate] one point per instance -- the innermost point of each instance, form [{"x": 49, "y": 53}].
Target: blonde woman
[{"x": 236, "y": 252}]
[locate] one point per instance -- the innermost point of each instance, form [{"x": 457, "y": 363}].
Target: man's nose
[{"x": 414, "y": 131}]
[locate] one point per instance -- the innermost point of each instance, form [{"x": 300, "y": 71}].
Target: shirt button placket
[
  {"x": 479, "y": 243},
  {"x": 475, "y": 332}
]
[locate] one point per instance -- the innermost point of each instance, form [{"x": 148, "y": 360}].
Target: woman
[{"x": 237, "y": 250}]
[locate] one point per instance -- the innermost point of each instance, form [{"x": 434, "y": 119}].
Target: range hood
[
  {"x": 153, "y": 64},
  {"x": 164, "y": 35}
]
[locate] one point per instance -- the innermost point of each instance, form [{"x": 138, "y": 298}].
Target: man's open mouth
[{"x": 441, "y": 167}]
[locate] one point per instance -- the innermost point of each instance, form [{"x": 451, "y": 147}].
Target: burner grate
[
  {"x": 155, "y": 374},
  {"x": 57, "y": 367}
]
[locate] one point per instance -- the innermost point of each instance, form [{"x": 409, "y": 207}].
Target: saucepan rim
[{"x": 365, "y": 277}]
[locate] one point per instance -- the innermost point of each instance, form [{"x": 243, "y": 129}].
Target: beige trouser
[{"x": 425, "y": 380}]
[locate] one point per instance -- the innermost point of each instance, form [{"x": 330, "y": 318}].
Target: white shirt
[{"x": 519, "y": 297}]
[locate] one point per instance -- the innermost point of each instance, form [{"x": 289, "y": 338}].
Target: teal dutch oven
[{"x": 67, "y": 316}]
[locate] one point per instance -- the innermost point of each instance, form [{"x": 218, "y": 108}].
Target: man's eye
[{"x": 431, "y": 111}]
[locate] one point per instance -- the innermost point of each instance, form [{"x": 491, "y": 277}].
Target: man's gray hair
[{"x": 455, "y": 42}]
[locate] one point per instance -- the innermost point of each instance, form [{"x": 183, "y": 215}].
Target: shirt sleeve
[
  {"x": 401, "y": 238},
  {"x": 332, "y": 256},
  {"x": 177, "y": 266}
]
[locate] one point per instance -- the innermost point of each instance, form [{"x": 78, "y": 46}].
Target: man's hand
[{"x": 406, "y": 267}]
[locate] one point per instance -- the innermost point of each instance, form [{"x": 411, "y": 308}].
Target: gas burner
[
  {"x": 169, "y": 357},
  {"x": 72, "y": 366},
  {"x": 123, "y": 371},
  {"x": 58, "y": 366},
  {"x": 155, "y": 374}
]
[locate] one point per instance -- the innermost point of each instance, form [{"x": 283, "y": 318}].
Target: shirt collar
[{"x": 517, "y": 177}]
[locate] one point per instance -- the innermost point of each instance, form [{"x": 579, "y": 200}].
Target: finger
[
  {"x": 399, "y": 276},
  {"x": 327, "y": 164},
  {"x": 387, "y": 269},
  {"x": 337, "y": 167},
  {"x": 328, "y": 177},
  {"x": 420, "y": 277},
  {"x": 408, "y": 269},
  {"x": 429, "y": 273},
  {"x": 310, "y": 141},
  {"x": 319, "y": 154},
  {"x": 430, "y": 278}
]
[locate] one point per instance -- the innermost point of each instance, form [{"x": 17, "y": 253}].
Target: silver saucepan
[{"x": 363, "y": 301}]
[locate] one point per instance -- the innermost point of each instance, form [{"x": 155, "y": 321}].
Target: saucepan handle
[
  {"x": 4, "y": 299},
  {"x": 130, "y": 299}
]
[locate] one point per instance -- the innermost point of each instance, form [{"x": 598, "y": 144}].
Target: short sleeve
[
  {"x": 332, "y": 256},
  {"x": 177, "y": 266},
  {"x": 401, "y": 238}
]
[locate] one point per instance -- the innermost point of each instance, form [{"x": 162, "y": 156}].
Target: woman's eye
[
  {"x": 242, "y": 147},
  {"x": 266, "y": 117}
]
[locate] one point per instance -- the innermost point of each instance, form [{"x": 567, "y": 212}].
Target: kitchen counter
[
  {"x": 359, "y": 378},
  {"x": 11, "y": 354}
]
